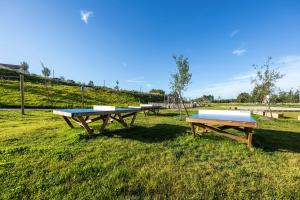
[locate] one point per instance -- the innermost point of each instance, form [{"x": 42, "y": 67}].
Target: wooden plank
[
  {"x": 85, "y": 125},
  {"x": 68, "y": 122}
]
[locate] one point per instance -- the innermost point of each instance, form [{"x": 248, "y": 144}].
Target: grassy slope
[
  {"x": 66, "y": 96},
  {"x": 40, "y": 157}
]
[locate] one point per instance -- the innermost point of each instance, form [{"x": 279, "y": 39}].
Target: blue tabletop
[
  {"x": 85, "y": 110},
  {"x": 238, "y": 118}
]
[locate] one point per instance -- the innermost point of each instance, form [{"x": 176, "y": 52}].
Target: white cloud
[
  {"x": 230, "y": 88},
  {"x": 85, "y": 15},
  {"x": 239, "y": 52},
  {"x": 234, "y": 33}
]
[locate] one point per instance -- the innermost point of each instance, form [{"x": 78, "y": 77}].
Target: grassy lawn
[{"x": 41, "y": 158}]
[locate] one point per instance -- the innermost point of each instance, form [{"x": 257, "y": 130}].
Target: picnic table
[
  {"x": 220, "y": 120},
  {"x": 147, "y": 108},
  {"x": 83, "y": 117}
]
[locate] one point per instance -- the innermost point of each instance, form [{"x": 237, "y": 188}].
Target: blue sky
[{"x": 133, "y": 41}]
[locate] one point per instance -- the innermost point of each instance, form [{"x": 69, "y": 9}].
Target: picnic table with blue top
[
  {"x": 147, "y": 108},
  {"x": 220, "y": 120},
  {"x": 105, "y": 113}
]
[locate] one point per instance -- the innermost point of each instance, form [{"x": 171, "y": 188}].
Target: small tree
[
  {"x": 157, "y": 91},
  {"x": 243, "y": 97},
  {"x": 24, "y": 67},
  {"x": 117, "y": 85},
  {"x": 181, "y": 79},
  {"x": 46, "y": 73},
  {"x": 91, "y": 84},
  {"x": 265, "y": 81}
]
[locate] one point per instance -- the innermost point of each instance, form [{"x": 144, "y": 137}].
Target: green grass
[
  {"x": 41, "y": 158},
  {"x": 62, "y": 96}
]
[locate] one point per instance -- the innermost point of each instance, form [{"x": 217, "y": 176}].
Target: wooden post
[{"x": 22, "y": 93}]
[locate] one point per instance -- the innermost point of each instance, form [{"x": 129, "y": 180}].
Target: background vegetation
[{"x": 58, "y": 93}]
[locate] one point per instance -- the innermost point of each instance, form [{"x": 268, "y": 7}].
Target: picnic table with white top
[
  {"x": 147, "y": 108},
  {"x": 220, "y": 120},
  {"x": 105, "y": 113}
]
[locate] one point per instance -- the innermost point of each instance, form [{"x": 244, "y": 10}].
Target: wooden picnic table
[
  {"x": 220, "y": 120},
  {"x": 83, "y": 117},
  {"x": 147, "y": 108}
]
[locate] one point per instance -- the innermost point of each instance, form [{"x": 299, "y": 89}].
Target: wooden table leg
[
  {"x": 68, "y": 122},
  {"x": 122, "y": 120},
  {"x": 144, "y": 111},
  {"x": 85, "y": 125},
  {"x": 105, "y": 122},
  {"x": 193, "y": 129},
  {"x": 133, "y": 119},
  {"x": 249, "y": 137}
]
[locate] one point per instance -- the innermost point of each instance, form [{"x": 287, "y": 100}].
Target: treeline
[{"x": 290, "y": 96}]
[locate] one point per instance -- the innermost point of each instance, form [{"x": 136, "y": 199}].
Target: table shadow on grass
[
  {"x": 274, "y": 140},
  {"x": 156, "y": 133}
]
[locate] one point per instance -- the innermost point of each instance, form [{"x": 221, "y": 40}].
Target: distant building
[{"x": 10, "y": 67}]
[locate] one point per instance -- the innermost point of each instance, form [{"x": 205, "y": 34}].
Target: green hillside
[{"x": 60, "y": 95}]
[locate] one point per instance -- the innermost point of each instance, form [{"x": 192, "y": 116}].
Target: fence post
[{"x": 22, "y": 93}]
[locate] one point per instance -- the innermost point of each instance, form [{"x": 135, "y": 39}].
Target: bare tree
[
  {"x": 265, "y": 81},
  {"x": 181, "y": 79}
]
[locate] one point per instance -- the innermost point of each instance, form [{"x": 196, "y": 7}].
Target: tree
[
  {"x": 46, "y": 73},
  {"x": 62, "y": 78},
  {"x": 243, "y": 97},
  {"x": 91, "y": 84},
  {"x": 24, "y": 67},
  {"x": 181, "y": 79},
  {"x": 157, "y": 91},
  {"x": 265, "y": 80},
  {"x": 117, "y": 85}
]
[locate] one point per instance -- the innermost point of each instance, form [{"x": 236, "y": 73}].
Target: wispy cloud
[
  {"x": 234, "y": 33},
  {"x": 230, "y": 88},
  {"x": 85, "y": 15},
  {"x": 137, "y": 80},
  {"x": 140, "y": 81},
  {"x": 239, "y": 52},
  {"x": 124, "y": 64}
]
